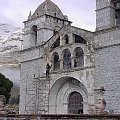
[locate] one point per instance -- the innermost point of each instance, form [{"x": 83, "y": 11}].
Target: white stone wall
[
  {"x": 107, "y": 38},
  {"x": 101, "y": 66},
  {"x": 61, "y": 88},
  {"x": 35, "y": 57},
  {"x": 85, "y": 76},
  {"x": 107, "y": 56},
  {"x": 32, "y": 53},
  {"x": 33, "y": 64},
  {"x": 29, "y": 71},
  {"x": 45, "y": 27},
  {"x": 107, "y": 75},
  {"x": 28, "y": 40}
]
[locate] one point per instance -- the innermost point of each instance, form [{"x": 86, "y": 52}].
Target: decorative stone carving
[
  {"x": 99, "y": 100},
  {"x": 100, "y": 104}
]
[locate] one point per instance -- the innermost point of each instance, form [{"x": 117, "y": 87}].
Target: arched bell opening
[
  {"x": 56, "y": 61},
  {"x": 78, "y": 57},
  {"x": 34, "y": 35}
]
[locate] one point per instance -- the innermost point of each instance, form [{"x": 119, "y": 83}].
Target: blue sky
[{"x": 80, "y": 12}]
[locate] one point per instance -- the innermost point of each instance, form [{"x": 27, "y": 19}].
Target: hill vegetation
[{"x": 5, "y": 87}]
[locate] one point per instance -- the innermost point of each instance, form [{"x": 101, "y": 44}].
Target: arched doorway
[
  {"x": 75, "y": 103},
  {"x": 60, "y": 96}
]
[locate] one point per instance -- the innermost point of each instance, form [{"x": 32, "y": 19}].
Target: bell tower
[
  {"x": 105, "y": 14},
  {"x": 43, "y": 24},
  {"x": 107, "y": 55}
]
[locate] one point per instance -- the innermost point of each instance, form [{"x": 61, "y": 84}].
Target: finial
[{"x": 29, "y": 15}]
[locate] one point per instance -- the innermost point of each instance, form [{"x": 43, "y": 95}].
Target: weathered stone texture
[
  {"x": 107, "y": 69},
  {"x": 105, "y": 14},
  {"x": 101, "y": 63},
  {"x": 29, "y": 71},
  {"x": 109, "y": 37},
  {"x": 107, "y": 56},
  {"x": 33, "y": 63}
]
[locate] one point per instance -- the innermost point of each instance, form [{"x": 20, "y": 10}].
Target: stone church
[{"x": 63, "y": 66}]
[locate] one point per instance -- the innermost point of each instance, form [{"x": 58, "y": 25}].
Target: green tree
[{"x": 5, "y": 87}]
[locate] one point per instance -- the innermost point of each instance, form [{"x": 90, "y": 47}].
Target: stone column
[
  {"x": 72, "y": 62},
  {"x": 62, "y": 42},
  {"x": 71, "y": 38},
  {"x": 61, "y": 64}
]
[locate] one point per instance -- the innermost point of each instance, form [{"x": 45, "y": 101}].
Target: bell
[{"x": 117, "y": 7}]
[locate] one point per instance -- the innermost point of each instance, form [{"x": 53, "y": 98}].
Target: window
[
  {"x": 66, "y": 59},
  {"x": 79, "y": 39},
  {"x": 117, "y": 12},
  {"x": 75, "y": 103},
  {"x": 55, "y": 32},
  {"x": 66, "y": 39},
  {"x": 34, "y": 34},
  {"x": 116, "y": 5},
  {"x": 56, "y": 62},
  {"x": 55, "y": 14},
  {"x": 56, "y": 29},
  {"x": 78, "y": 57}
]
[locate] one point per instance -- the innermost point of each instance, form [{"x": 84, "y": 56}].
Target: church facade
[{"x": 62, "y": 65}]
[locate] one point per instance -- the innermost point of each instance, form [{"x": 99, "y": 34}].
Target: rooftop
[{"x": 47, "y": 7}]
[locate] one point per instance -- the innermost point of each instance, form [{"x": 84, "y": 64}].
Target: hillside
[
  {"x": 10, "y": 39},
  {"x": 10, "y": 45}
]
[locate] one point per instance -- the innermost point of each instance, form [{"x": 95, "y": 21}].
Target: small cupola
[{"x": 49, "y": 8}]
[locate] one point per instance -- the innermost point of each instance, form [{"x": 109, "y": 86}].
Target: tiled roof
[{"x": 47, "y": 7}]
